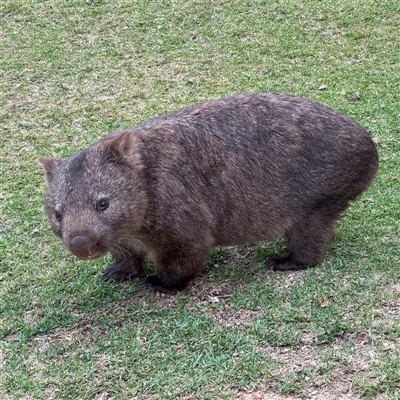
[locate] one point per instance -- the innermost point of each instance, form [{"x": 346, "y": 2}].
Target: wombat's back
[{"x": 251, "y": 164}]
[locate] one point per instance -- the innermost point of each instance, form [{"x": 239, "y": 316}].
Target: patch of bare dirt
[
  {"x": 316, "y": 395},
  {"x": 269, "y": 395},
  {"x": 332, "y": 368}
]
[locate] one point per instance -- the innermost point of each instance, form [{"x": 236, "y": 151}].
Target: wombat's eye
[
  {"x": 58, "y": 216},
  {"x": 102, "y": 204}
]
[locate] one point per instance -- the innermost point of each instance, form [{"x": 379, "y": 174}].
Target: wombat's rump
[{"x": 242, "y": 169}]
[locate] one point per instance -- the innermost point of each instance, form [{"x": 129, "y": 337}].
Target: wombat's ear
[
  {"x": 49, "y": 164},
  {"x": 120, "y": 146}
]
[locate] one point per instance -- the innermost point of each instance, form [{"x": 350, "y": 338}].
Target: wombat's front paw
[
  {"x": 120, "y": 272},
  {"x": 155, "y": 283},
  {"x": 285, "y": 264}
]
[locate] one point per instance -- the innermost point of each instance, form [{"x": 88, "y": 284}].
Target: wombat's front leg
[
  {"x": 174, "y": 269},
  {"x": 127, "y": 265}
]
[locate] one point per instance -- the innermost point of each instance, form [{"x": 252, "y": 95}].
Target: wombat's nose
[{"x": 81, "y": 246}]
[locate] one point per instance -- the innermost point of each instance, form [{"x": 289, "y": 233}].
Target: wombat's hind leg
[
  {"x": 306, "y": 242},
  {"x": 125, "y": 267}
]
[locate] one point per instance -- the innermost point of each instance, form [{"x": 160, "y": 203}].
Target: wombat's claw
[
  {"x": 110, "y": 275},
  {"x": 109, "y": 278},
  {"x": 155, "y": 283},
  {"x": 285, "y": 264}
]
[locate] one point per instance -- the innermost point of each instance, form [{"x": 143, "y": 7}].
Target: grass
[{"x": 71, "y": 72}]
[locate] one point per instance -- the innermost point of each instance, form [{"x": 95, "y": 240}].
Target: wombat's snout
[{"x": 84, "y": 247}]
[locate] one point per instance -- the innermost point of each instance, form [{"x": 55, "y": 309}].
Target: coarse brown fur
[{"x": 246, "y": 168}]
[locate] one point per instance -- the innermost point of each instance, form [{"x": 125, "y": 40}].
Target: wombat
[{"x": 246, "y": 168}]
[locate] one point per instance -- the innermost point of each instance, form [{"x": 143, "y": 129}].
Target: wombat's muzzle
[{"x": 85, "y": 247}]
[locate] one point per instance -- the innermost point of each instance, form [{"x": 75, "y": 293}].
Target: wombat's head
[{"x": 96, "y": 199}]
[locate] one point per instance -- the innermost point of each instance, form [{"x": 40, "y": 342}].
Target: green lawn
[{"x": 71, "y": 71}]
